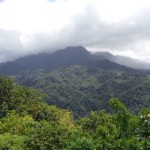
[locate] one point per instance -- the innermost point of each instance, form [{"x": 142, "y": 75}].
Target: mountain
[
  {"x": 61, "y": 58},
  {"x": 122, "y": 60},
  {"x": 75, "y": 79}
]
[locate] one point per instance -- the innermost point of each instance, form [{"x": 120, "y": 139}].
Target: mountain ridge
[
  {"x": 123, "y": 60},
  {"x": 82, "y": 89},
  {"x": 61, "y": 58}
]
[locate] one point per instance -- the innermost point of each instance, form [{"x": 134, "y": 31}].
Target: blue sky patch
[
  {"x": 2, "y": 1},
  {"x": 51, "y": 0}
]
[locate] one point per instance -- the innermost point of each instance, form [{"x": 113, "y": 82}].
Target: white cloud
[{"x": 33, "y": 26}]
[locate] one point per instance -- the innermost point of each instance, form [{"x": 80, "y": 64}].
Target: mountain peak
[
  {"x": 78, "y": 50},
  {"x": 75, "y": 48}
]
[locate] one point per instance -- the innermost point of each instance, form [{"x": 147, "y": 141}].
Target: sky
[{"x": 121, "y": 27}]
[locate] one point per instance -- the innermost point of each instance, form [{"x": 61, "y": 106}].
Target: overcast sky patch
[{"x": 34, "y": 26}]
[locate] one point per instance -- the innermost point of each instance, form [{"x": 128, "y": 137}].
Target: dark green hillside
[{"x": 83, "y": 89}]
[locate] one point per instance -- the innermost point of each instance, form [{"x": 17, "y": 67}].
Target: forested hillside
[
  {"x": 27, "y": 123},
  {"x": 83, "y": 89},
  {"x": 75, "y": 79}
]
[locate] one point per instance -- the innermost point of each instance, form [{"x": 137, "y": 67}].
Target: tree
[
  {"x": 6, "y": 86},
  {"x": 48, "y": 135},
  {"x": 145, "y": 128},
  {"x": 11, "y": 142},
  {"x": 121, "y": 117}
]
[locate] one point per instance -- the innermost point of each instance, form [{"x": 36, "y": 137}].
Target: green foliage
[
  {"x": 28, "y": 123},
  {"x": 6, "y": 86},
  {"x": 48, "y": 135},
  {"x": 82, "y": 143},
  {"x": 11, "y": 142},
  {"x": 15, "y": 97},
  {"x": 121, "y": 117},
  {"x": 82, "y": 89},
  {"x": 145, "y": 128},
  {"x": 15, "y": 124}
]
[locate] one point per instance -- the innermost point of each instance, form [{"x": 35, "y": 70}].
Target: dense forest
[
  {"x": 82, "y": 89},
  {"x": 27, "y": 123}
]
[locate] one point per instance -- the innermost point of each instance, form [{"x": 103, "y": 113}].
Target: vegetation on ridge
[{"x": 83, "y": 89}]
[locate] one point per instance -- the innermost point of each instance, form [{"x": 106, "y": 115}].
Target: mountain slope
[
  {"x": 83, "y": 89},
  {"x": 122, "y": 60},
  {"x": 69, "y": 56}
]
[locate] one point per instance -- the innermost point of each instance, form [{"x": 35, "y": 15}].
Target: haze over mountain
[
  {"x": 127, "y": 61},
  {"x": 61, "y": 58}
]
